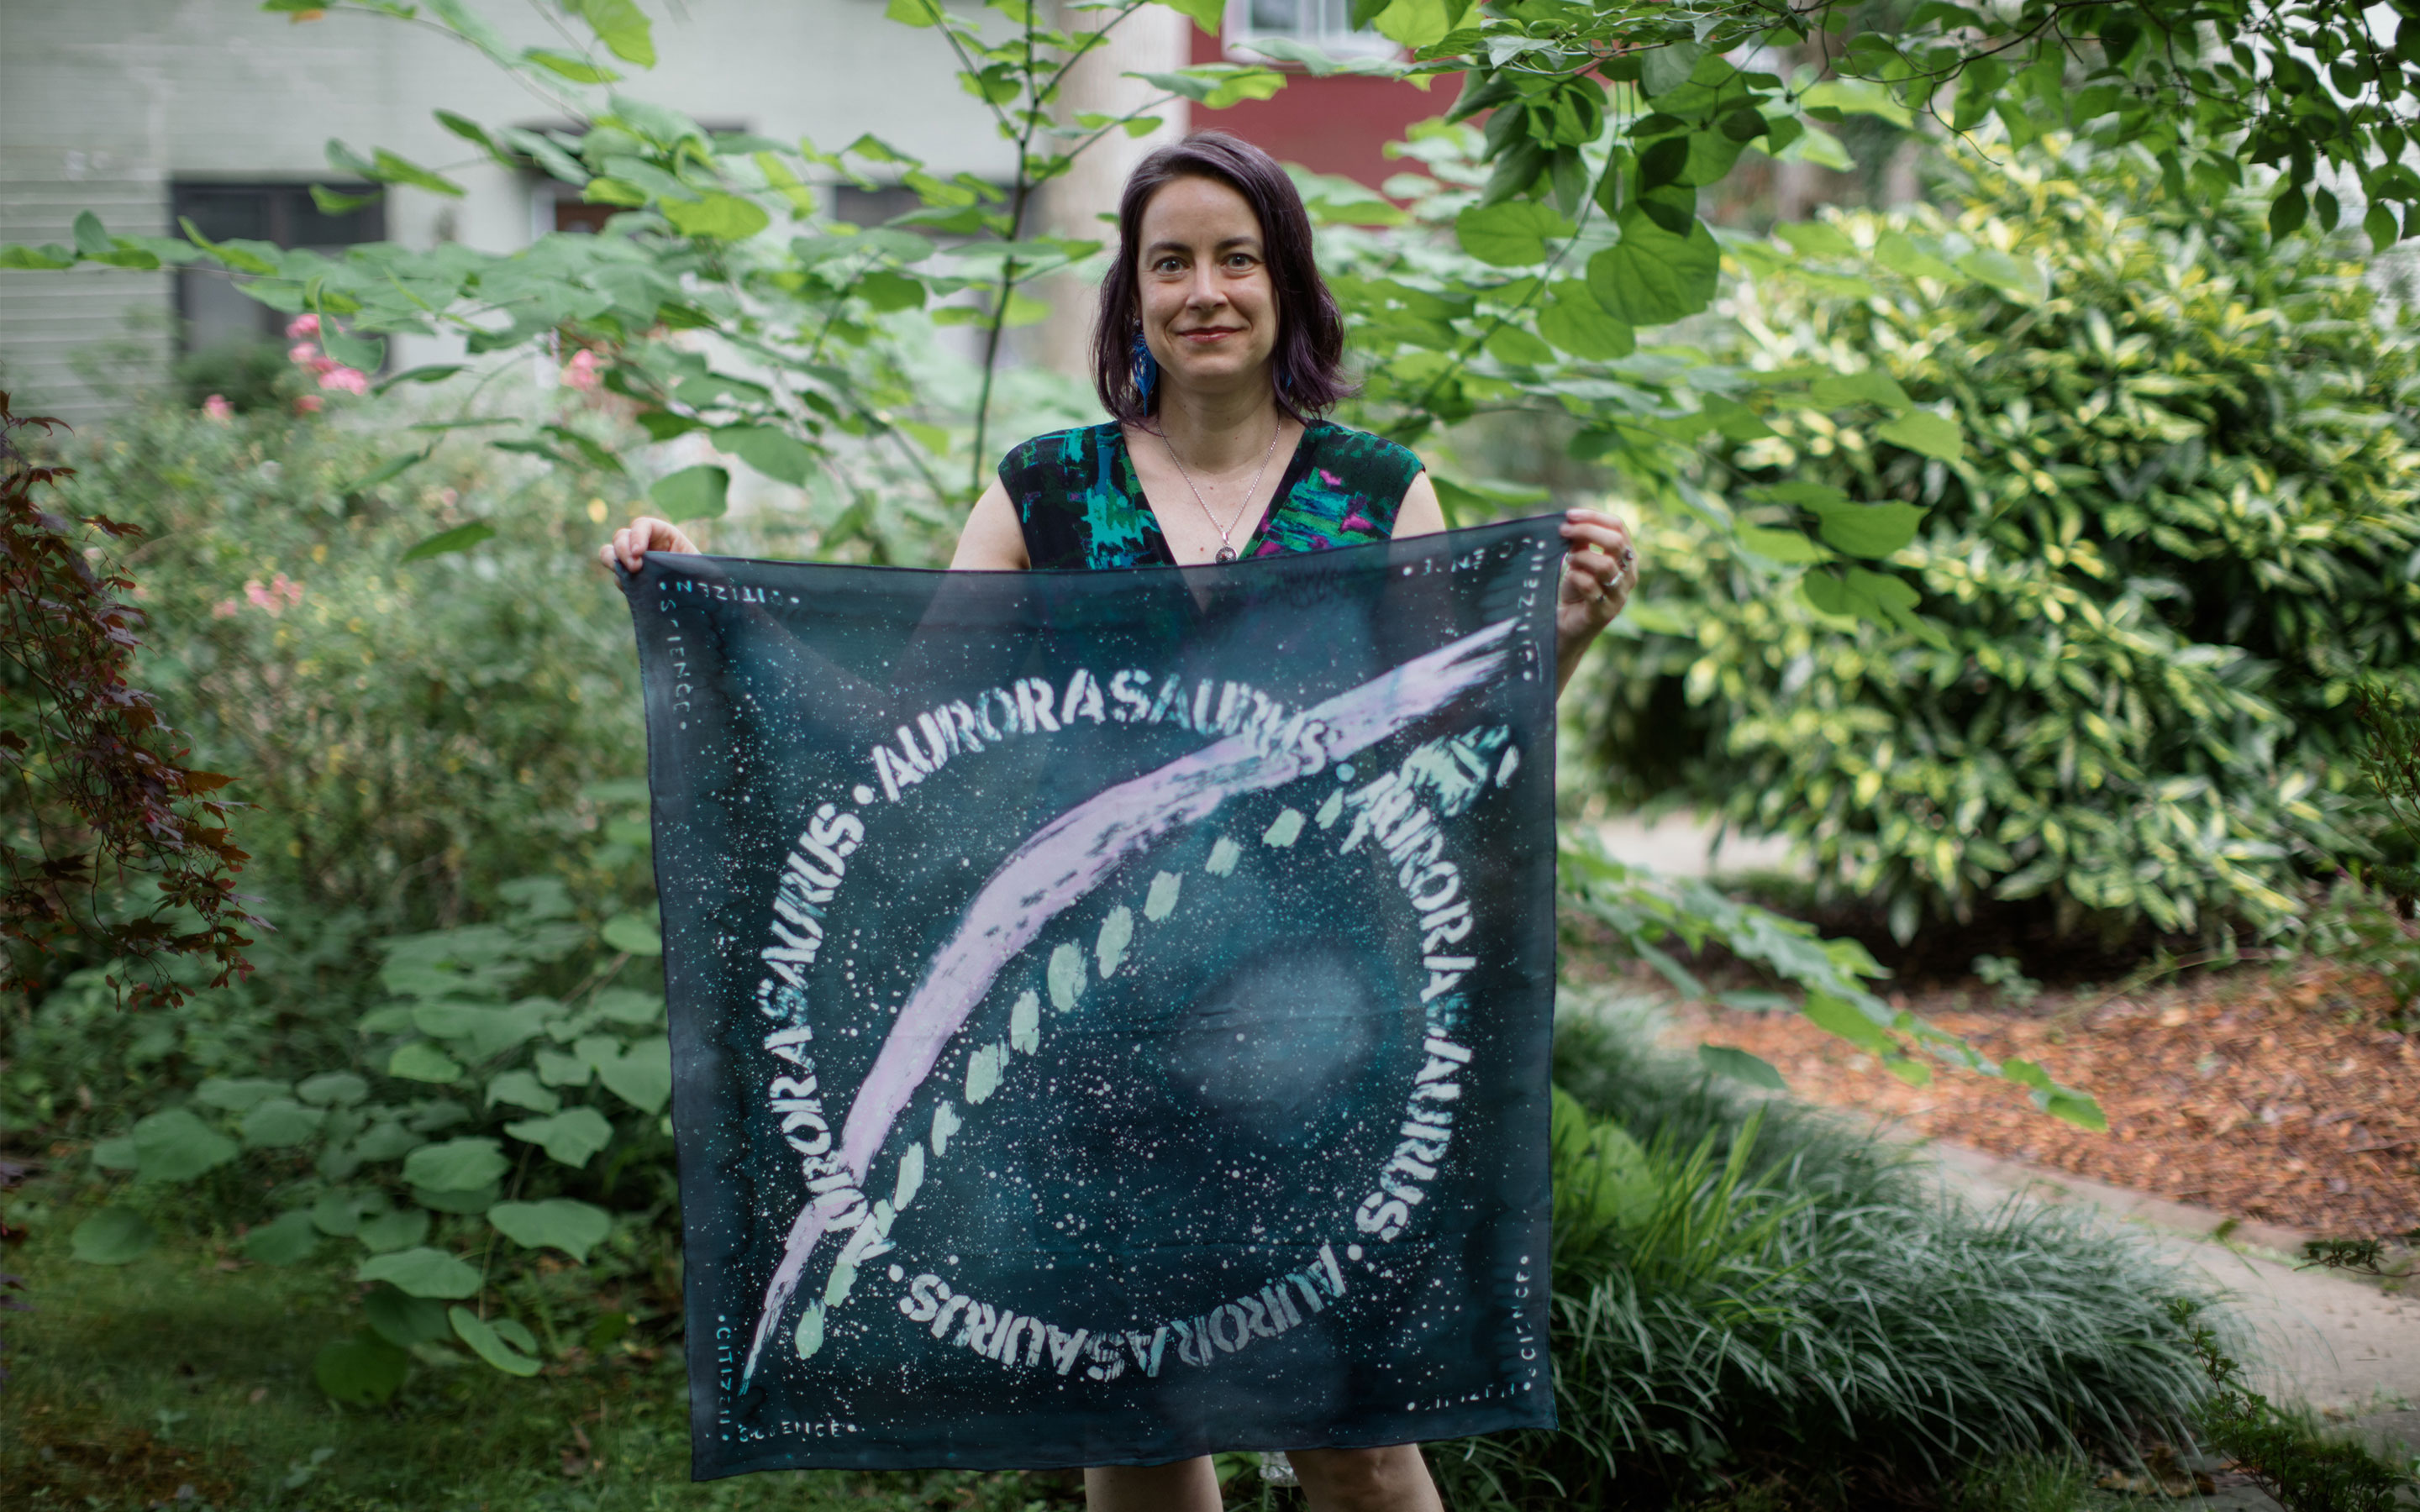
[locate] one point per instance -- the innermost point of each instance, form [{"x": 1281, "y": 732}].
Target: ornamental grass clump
[
  {"x": 2119, "y": 686},
  {"x": 1750, "y": 1289}
]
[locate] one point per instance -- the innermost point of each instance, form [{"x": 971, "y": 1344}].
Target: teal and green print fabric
[
  {"x": 1109, "y": 1009},
  {"x": 1081, "y": 506}
]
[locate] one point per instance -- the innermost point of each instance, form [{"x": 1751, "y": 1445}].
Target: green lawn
[{"x": 129, "y": 1383}]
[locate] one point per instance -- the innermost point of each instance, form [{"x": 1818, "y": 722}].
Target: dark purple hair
[{"x": 1309, "y": 362}]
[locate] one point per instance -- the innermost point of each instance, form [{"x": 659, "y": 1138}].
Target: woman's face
[{"x": 1209, "y": 309}]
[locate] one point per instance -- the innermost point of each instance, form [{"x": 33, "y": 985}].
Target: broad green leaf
[
  {"x": 2077, "y": 1108},
  {"x": 334, "y": 1088},
  {"x": 455, "y": 1165},
  {"x": 1923, "y": 432},
  {"x": 1816, "y": 238},
  {"x": 1512, "y": 345},
  {"x": 2019, "y": 280},
  {"x": 354, "y": 352},
  {"x": 479, "y": 1034},
  {"x": 488, "y": 1343},
  {"x": 1573, "y": 320},
  {"x": 913, "y": 12},
  {"x": 399, "y": 1229},
  {"x": 1723, "y": 1060},
  {"x": 717, "y": 217},
  {"x": 629, "y": 932},
  {"x": 289, "y": 1239},
  {"x": 1913, "y": 1072},
  {"x": 429, "y": 373},
  {"x": 888, "y": 291},
  {"x": 1898, "y": 252},
  {"x": 1663, "y": 70},
  {"x": 233, "y": 1095},
  {"x": 627, "y": 1005},
  {"x": 43, "y": 260},
  {"x": 361, "y": 1371},
  {"x": 1218, "y": 85},
  {"x": 421, "y": 1062},
  {"x": 229, "y": 253},
  {"x": 569, "y": 1136},
  {"x": 1513, "y": 234},
  {"x": 339, "y": 1215},
  {"x": 1652, "y": 277},
  {"x": 774, "y": 453},
  {"x": 1844, "y": 1019},
  {"x": 1209, "y": 15},
  {"x": 523, "y": 1090},
  {"x": 622, "y": 26},
  {"x": 403, "y": 1319},
  {"x": 692, "y": 493},
  {"x": 113, "y": 1236},
  {"x": 281, "y": 1123},
  {"x": 1870, "y": 529},
  {"x": 460, "y": 538},
  {"x": 1780, "y": 545},
  {"x": 641, "y": 1076},
  {"x": 176, "y": 1146},
  {"x": 421, "y": 1273},
  {"x": 1866, "y": 386},
  {"x": 461, "y": 1199},
  {"x": 1855, "y": 96},
  {"x": 386, "y": 168},
  {"x": 573, "y": 1228},
  {"x": 564, "y": 64}
]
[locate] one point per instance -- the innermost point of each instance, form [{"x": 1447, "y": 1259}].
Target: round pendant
[{"x": 1226, "y": 553}]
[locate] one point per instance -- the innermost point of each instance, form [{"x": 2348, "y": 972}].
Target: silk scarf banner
[{"x": 1109, "y": 1009}]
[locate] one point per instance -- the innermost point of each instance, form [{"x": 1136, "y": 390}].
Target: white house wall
[{"x": 104, "y": 102}]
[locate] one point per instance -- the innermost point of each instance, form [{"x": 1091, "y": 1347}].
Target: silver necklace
[{"x": 1225, "y": 531}]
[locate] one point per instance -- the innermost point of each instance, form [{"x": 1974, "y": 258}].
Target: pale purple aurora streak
[{"x": 1074, "y": 853}]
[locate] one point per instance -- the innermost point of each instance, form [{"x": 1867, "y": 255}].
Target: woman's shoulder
[
  {"x": 1373, "y": 460},
  {"x": 1055, "y": 452}
]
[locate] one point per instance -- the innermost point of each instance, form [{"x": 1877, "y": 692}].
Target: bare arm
[
  {"x": 1599, "y": 571},
  {"x": 993, "y": 540}
]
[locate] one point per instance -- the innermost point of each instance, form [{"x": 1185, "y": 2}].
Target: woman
[{"x": 1218, "y": 349}]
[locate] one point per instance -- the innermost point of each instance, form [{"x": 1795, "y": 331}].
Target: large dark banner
[{"x": 1109, "y": 1010}]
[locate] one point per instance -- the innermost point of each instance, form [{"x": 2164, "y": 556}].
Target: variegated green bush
[{"x": 2132, "y": 611}]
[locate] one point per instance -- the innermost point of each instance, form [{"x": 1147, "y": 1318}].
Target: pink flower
[
  {"x": 304, "y": 352},
  {"x": 309, "y": 404},
  {"x": 581, "y": 372},
  {"x": 225, "y": 609},
  {"x": 282, "y": 593},
  {"x": 302, "y": 325},
  {"x": 350, "y": 380},
  {"x": 261, "y": 596},
  {"x": 285, "y": 588},
  {"x": 216, "y": 408}
]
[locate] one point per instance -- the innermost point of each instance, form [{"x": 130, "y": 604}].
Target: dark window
[{"x": 211, "y": 311}]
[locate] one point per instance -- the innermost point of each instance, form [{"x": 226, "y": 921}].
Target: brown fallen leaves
[{"x": 2280, "y": 1098}]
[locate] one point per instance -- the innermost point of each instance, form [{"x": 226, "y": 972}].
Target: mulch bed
[{"x": 2279, "y": 1096}]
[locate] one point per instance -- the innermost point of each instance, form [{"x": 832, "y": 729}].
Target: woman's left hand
[{"x": 1599, "y": 572}]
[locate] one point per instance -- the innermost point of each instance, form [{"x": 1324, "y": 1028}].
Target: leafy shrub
[
  {"x": 508, "y": 1081},
  {"x": 2285, "y": 1452},
  {"x": 405, "y": 731},
  {"x": 111, "y": 842},
  {"x": 2182, "y": 533},
  {"x": 1741, "y": 1290}
]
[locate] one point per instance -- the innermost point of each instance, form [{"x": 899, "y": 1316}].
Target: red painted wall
[{"x": 1335, "y": 125}]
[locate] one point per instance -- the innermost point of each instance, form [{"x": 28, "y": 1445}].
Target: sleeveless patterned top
[{"x": 1081, "y": 506}]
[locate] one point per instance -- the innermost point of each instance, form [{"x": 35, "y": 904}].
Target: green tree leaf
[
  {"x": 1723, "y": 1060},
  {"x": 421, "y": 1062},
  {"x": 692, "y": 493},
  {"x": 717, "y": 217},
  {"x": 1513, "y": 234},
  {"x": 573, "y": 1228},
  {"x": 281, "y": 1123},
  {"x": 569, "y": 1136},
  {"x": 630, "y": 931},
  {"x": 361, "y": 1371},
  {"x": 1849, "y": 1023},
  {"x": 403, "y": 1319},
  {"x": 289, "y": 1239},
  {"x": 460, "y": 538},
  {"x": 1869, "y": 530},
  {"x": 113, "y": 1236},
  {"x": 421, "y": 1273},
  {"x": 1781, "y": 545},
  {"x": 176, "y": 1146},
  {"x": 402, "y": 1228},
  {"x": 1652, "y": 277},
  {"x": 1209, "y": 15},
  {"x": 489, "y": 1342},
  {"x": 776, "y": 454},
  {"x": 233, "y": 1095},
  {"x": 523, "y": 1090},
  {"x": 641, "y": 1075},
  {"x": 1573, "y": 320},
  {"x": 1923, "y": 432},
  {"x": 622, "y": 26},
  {"x": 334, "y": 1088},
  {"x": 563, "y": 65},
  {"x": 455, "y": 1165}
]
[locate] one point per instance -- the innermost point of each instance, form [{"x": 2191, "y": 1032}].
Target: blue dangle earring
[{"x": 1146, "y": 370}]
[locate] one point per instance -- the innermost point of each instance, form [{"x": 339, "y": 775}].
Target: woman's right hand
[{"x": 631, "y": 543}]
